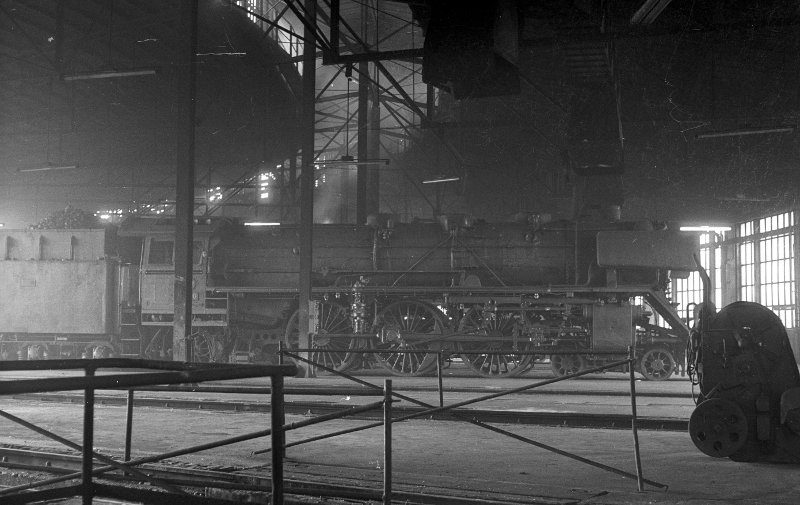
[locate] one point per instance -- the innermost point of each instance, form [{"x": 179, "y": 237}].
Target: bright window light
[{"x": 261, "y": 223}]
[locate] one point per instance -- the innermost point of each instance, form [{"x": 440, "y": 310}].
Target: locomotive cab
[{"x": 156, "y": 285}]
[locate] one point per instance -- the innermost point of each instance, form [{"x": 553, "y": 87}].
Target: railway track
[
  {"x": 235, "y": 483},
  {"x": 315, "y": 408}
]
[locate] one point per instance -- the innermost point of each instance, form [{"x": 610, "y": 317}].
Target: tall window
[
  {"x": 766, "y": 264},
  {"x": 688, "y": 292}
]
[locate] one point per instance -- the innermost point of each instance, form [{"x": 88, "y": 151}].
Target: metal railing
[
  {"x": 157, "y": 373},
  {"x": 432, "y": 409}
]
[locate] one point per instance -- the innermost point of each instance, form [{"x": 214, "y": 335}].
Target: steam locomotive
[{"x": 493, "y": 296}]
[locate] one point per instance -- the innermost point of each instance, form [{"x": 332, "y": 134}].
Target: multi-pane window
[
  {"x": 688, "y": 292},
  {"x": 767, "y": 264}
]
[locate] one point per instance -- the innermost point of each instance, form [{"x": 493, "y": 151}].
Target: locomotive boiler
[{"x": 495, "y": 296}]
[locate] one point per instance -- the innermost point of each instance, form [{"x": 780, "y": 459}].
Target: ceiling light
[
  {"x": 349, "y": 160},
  {"x": 48, "y": 167},
  {"x": 745, "y": 131},
  {"x": 107, "y": 74},
  {"x": 706, "y": 229},
  {"x": 261, "y": 223},
  {"x": 441, "y": 179}
]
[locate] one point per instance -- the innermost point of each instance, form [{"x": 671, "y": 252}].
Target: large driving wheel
[
  {"x": 657, "y": 364},
  {"x": 495, "y": 354},
  {"x": 159, "y": 347},
  {"x": 566, "y": 364},
  {"x": 206, "y": 346},
  {"x": 408, "y": 331},
  {"x": 329, "y": 350}
]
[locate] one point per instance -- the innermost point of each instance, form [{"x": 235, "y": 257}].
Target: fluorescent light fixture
[
  {"x": 745, "y": 131},
  {"x": 349, "y": 160},
  {"x": 48, "y": 167},
  {"x": 441, "y": 179},
  {"x": 706, "y": 229},
  {"x": 108, "y": 74},
  {"x": 261, "y": 223}
]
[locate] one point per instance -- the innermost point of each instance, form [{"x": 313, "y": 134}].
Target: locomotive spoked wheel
[
  {"x": 657, "y": 364},
  {"x": 99, "y": 350},
  {"x": 566, "y": 364},
  {"x": 718, "y": 427},
  {"x": 159, "y": 347},
  {"x": 409, "y": 330},
  {"x": 496, "y": 356},
  {"x": 329, "y": 350},
  {"x": 206, "y": 346},
  {"x": 38, "y": 350}
]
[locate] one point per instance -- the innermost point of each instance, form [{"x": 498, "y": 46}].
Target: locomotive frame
[{"x": 397, "y": 319}]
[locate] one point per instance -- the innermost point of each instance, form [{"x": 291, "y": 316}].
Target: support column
[
  {"x": 374, "y": 150},
  {"x": 307, "y": 179},
  {"x": 184, "y": 193},
  {"x": 363, "y": 143}
]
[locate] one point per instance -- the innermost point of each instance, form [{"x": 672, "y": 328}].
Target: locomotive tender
[{"x": 496, "y": 295}]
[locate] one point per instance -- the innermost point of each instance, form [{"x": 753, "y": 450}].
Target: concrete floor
[{"x": 451, "y": 458}]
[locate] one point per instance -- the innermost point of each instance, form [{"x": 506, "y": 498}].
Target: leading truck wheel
[
  {"x": 657, "y": 364},
  {"x": 566, "y": 364},
  {"x": 408, "y": 330}
]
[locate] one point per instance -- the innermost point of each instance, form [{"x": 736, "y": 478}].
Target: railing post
[
  {"x": 88, "y": 440},
  {"x": 634, "y": 422},
  {"x": 439, "y": 375},
  {"x": 276, "y": 402},
  {"x": 128, "y": 425},
  {"x": 387, "y": 442}
]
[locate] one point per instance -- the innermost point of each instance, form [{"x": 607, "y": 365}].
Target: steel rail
[
  {"x": 296, "y": 483},
  {"x": 96, "y": 455}
]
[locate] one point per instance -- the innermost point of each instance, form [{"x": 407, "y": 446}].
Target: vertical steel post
[
  {"x": 430, "y": 104},
  {"x": 184, "y": 189},
  {"x": 387, "y": 442},
  {"x": 276, "y": 417},
  {"x": 439, "y": 376},
  {"x": 634, "y": 421},
  {"x": 363, "y": 151},
  {"x": 307, "y": 179},
  {"x": 88, "y": 441},
  {"x": 374, "y": 150},
  {"x": 128, "y": 425}
]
